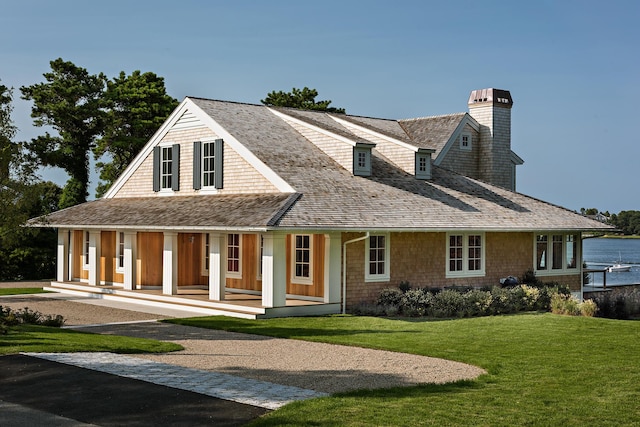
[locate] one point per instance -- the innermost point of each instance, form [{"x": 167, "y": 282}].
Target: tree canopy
[
  {"x": 136, "y": 106},
  {"x": 627, "y": 221},
  {"x": 303, "y": 99}
]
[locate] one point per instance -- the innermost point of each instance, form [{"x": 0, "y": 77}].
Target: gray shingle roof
[
  {"x": 328, "y": 196},
  {"x": 432, "y": 132}
]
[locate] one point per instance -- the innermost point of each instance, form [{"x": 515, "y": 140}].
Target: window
[
  {"x": 377, "y": 258},
  {"x": 207, "y": 164},
  {"x": 302, "y": 259},
  {"x": 86, "y": 249},
  {"x": 166, "y": 168},
  {"x": 260, "y": 254},
  {"x": 423, "y": 166},
  {"x": 234, "y": 261},
  {"x": 465, "y": 141},
  {"x": 120, "y": 252},
  {"x": 205, "y": 254},
  {"x": 465, "y": 255},
  {"x": 556, "y": 252},
  {"x": 362, "y": 160}
]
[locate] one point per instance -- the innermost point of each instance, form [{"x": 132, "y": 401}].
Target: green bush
[
  {"x": 448, "y": 303},
  {"x": 477, "y": 303},
  {"x": 623, "y": 304},
  {"x": 416, "y": 302},
  {"x": 568, "y": 305},
  {"x": 9, "y": 317}
]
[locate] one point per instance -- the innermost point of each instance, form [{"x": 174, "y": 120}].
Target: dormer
[
  {"x": 423, "y": 163},
  {"x": 362, "y": 158}
]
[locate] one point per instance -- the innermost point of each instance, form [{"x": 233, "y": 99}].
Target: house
[{"x": 254, "y": 211}]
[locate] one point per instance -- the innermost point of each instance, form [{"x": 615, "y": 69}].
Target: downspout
[{"x": 344, "y": 269}]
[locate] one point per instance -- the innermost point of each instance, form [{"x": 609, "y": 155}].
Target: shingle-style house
[{"x": 254, "y": 211}]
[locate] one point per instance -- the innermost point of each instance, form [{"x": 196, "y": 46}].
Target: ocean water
[{"x": 600, "y": 253}]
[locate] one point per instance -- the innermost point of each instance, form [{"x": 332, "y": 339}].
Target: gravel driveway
[{"x": 318, "y": 366}]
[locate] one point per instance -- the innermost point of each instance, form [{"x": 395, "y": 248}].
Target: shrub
[
  {"x": 568, "y": 305},
  {"x": 477, "y": 303},
  {"x": 10, "y": 317},
  {"x": 390, "y": 297},
  {"x": 415, "y": 302},
  {"x": 448, "y": 303},
  {"x": 623, "y": 304}
]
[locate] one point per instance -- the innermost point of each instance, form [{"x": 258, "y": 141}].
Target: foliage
[
  {"x": 25, "y": 316},
  {"x": 543, "y": 370},
  {"x": 621, "y": 304},
  {"x": 568, "y": 305},
  {"x": 627, "y": 221},
  {"x": 71, "y": 103},
  {"x": 304, "y": 99},
  {"x": 136, "y": 106}
]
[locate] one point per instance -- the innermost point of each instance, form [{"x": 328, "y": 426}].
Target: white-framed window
[
  {"x": 423, "y": 166},
  {"x": 260, "y": 254},
  {"x": 120, "y": 251},
  {"x": 465, "y": 141},
  {"x": 85, "y": 249},
  {"x": 166, "y": 167},
  {"x": 205, "y": 254},
  {"x": 208, "y": 164},
  {"x": 465, "y": 255},
  {"x": 362, "y": 160},
  {"x": 302, "y": 255},
  {"x": 556, "y": 252},
  {"x": 234, "y": 255},
  {"x": 377, "y": 260}
]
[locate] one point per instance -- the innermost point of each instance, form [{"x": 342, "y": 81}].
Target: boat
[{"x": 618, "y": 266}]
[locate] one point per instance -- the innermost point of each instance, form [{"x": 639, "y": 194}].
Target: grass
[
  {"x": 21, "y": 291},
  {"x": 42, "y": 339},
  {"x": 543, "y": 369}
]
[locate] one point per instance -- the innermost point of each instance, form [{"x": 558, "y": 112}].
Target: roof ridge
[{"x": 439, "y": 116}]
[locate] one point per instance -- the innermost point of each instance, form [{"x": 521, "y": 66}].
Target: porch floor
[{"x": 197, "y": 301}]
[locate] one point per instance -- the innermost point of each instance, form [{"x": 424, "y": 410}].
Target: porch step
[{"x": 198, "y": 308}]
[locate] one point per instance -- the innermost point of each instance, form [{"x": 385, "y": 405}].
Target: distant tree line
[{"x": 628, "y": 222}]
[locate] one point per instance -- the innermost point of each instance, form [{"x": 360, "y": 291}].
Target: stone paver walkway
[{"x": 223, "y": 386}]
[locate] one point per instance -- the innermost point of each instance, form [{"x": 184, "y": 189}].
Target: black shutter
[
  {"x": 197, "y": 165},
  {"x": 156, "y": 169},
  {"x": 219, "y": 150},
  {"x": 175, "y": 167}
]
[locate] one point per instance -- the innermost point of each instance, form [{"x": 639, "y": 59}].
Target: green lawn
[
  {"x": 42, "y": 339},
  {"x": 543, "y": 369},
  {"x": 21, "y": 291}
]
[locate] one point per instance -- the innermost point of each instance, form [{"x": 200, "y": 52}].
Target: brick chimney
[{"x": 491, "y": 108}]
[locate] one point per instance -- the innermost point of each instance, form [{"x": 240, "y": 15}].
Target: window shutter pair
[
  {"x": 175, "y": 167},
  {"x": 218, "y": 150}
]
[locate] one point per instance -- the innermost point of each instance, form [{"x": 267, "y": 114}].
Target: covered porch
[{"x": 235, "y": 273}]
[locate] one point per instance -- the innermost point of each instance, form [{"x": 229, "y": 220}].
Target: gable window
[
  {"x": 207, "y": 164},
  {"x": 302, "y": 259},
  {"x": 166, "y": 168},
  {"x": 120, "y": 252},
  {"x": 465, "y": 254},
  {"x": 377, "y": 258},
  {"x": 234, "y": 260},
  {"x": 556, "y": 252},
  {"x": 465, "y": 141}
]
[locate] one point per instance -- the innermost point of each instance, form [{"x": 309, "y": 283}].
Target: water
[{"x": 600, "y": 253}]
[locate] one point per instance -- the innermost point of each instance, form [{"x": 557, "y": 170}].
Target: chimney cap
[{"x": 497, "y": 97}]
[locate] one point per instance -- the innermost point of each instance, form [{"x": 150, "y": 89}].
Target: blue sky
[{"x": 573, "y": 68}]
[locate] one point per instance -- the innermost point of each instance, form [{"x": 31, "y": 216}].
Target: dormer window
[
  {"x": 362, "y": 159},
  {"x": 166, "y": 168},
  {"x": 423, "y": 164}
]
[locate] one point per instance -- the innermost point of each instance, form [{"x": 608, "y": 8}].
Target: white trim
[
  {"x": 234, "y": 274},
  {"x": 188, "y": 105},
  {"x": 466, "y": 120},
  {"x": 469, "y": 137},
  {"x": 301, "y": 280},
  {"x": 363, "y": 129},
  {"x": 86, "y": 244},
  {"x": 259, "y": 254},
  {"x": 465, "y": 272},
  {"x": 119, "y": 251},
  {"x": 204, "y": 271},
  {"x": 550, "y": 271},
  {"x": 317, "y": 129},
  {"x": 386, "y": 276},
  {"x": 207, "y": 189}
]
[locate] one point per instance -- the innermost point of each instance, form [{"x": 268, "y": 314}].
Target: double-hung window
[
  {"x": 465, "y": 142},
  {"x": 465, "y": 255},
  {"x": 556, "y": 252},
  {"x": 234, "y": 258},
  {"x": 302, "y": 259},
  {"x": 120, "y": 251},
  {"x": 166, "y": 168},
  {"x": 377, "y": 262},
  {"x": 207, "y": 164},
  {"x": 205, "y": 254},
  {"x": 85, "y": 249}
]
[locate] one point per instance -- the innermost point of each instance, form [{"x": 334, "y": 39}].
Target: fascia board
[
  {"x": 346, "y": 124},
  {"x": 146, "y": 150},
  {"x": 315, "y": 128},
  {"x": 243, "y": 151},
  {"x": 454, "y": 137}
]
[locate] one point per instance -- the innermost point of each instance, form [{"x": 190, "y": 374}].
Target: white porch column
[
  {"x": 274, "y": 270},
  {"x": 217, "y": 266},
  {"x": 62, "y": 259},
  {"x": 170, "y": 264},
  {"x": 130, "y": 263},
  {"x": 94, "y": 257},
  {"x": 332, "y": 267}
]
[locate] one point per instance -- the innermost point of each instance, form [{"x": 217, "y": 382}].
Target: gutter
[{"x": 344, "y": 269}]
